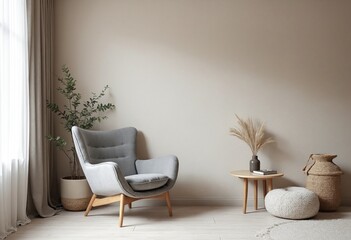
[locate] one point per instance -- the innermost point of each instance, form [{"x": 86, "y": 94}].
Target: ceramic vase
[{"x": 254, "y": 164}]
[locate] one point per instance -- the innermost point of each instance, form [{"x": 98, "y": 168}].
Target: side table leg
[
  {"x": 255, "y": 194},
  {"x": 270, "y": 184},
  {"x": 264, "y": 185},
  {"x": 245, "y": 195}
]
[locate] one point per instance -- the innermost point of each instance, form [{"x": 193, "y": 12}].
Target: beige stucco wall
[{"x": 180, "y": 70}]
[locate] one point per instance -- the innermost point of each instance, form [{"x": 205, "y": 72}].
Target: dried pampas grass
[{"x": 252, "y": 133}]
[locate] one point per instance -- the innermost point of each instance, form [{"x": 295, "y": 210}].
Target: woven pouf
[{"x": 292, "y": 203}]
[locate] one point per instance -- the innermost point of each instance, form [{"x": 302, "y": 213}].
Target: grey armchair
[{"x": 109, "y": 162}]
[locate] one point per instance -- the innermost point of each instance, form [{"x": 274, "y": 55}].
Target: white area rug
[{"x": 336, "y": 229}]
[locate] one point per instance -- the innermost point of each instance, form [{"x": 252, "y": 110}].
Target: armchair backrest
[{"x": 117, "y": 146}]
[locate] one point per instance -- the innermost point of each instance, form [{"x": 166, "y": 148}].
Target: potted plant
[
  {"x": 75, "y": 191},
  {"x": 253, "y": 133}
]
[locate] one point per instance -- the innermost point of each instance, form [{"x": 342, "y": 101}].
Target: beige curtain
[{"x": 41, "y": 189}]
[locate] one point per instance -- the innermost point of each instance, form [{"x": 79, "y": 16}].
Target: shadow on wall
[
  {"x": 345, "y": 180},
  {"x": 278, "y": 153},
  {"x": 142, "y": 151},
  {"x": 285, "y": 182}
]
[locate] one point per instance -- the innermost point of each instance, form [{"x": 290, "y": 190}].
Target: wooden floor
[{"x": 153, "y": 223}]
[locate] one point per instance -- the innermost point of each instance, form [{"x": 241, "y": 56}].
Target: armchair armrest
[
  {"x": 105, "y": 178},
  {"x": 167, "y": 165}
]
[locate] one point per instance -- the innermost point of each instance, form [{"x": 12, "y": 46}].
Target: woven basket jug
[{"x": 324, "y": 178}]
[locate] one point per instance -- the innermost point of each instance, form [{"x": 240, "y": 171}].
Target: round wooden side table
[{"x": 267, "y": 183}]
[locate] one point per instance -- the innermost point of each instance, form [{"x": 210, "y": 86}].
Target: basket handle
[{"x": 307, "y": 168}]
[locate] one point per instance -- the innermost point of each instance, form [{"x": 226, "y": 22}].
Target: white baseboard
[{"x": 238, "y": 202}]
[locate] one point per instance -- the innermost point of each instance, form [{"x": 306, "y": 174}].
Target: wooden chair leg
[
  {"x": 123, "y": 200},
  {"x": 121, "y": 210},
  {"x": 90, "y": 205},
  {"x": 168, "y": 201}
]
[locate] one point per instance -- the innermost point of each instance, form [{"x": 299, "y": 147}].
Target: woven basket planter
[
  {"x": 324, "y": 178},
  {"x": 75, "y": 194}
]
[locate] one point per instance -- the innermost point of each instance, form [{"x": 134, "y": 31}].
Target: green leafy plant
[{"x": 76, "y": 112}]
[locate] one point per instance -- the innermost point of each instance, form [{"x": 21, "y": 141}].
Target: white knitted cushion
[{"x": 292, "y": 203}]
